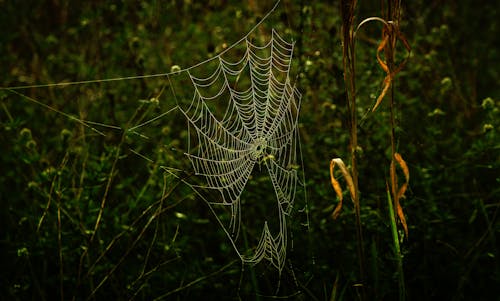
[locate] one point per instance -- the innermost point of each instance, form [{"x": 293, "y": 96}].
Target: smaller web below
[
  {"x": 242, "y": 121},
  {"x": 257, "y": 127}
]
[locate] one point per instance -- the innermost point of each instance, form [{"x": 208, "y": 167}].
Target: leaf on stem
[
  {"x": 390, "y": 35},
  {"x": 398, "y": 192},
  {"x": 336, "y": 185}
]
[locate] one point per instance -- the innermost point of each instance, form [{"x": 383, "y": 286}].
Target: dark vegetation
[{"x": 61, "y": 180}]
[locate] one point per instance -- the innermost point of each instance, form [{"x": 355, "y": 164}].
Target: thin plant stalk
[
  {"x": 396, "y": 248},
  {"x": 347, "y": 9},
  {"x": 393, "y": 12}
]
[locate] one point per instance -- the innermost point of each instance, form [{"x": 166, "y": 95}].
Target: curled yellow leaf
[
  {"x": 336, "y": 185},
  {"x": 386, "y": 46},
  {"x": 398, "y": 192}
]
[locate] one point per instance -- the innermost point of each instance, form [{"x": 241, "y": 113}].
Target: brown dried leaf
[
  {"x": 403, "y": 39},
  {"x": 337, "y": 210},
  {"x": 398, "y": 192},
  {"x": 347, "y": 176},
  {"x": 387, "y": 80},
  {"x": 387, "y": 31},
  {"x": 402, "y": 218},
  {"x": 336, "y": 185},
  {"x": 338, "y": 191},
  {"x": 406, "y": 173},
  {"x": 381, "y": 48},
  {"x": 387, "y": 85}
]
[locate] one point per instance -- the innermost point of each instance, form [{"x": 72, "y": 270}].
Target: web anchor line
[
  {"x": 242, "y": 117},
  {"x": 122, "y": 78}
]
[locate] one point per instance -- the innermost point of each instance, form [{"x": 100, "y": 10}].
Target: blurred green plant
[{"x": 154, "y": 239}]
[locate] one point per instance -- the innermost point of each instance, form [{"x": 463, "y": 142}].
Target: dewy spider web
[{"x": 258, "y": 126}]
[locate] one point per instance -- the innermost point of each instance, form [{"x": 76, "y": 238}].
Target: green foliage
[{"x": 156, "y": 239}]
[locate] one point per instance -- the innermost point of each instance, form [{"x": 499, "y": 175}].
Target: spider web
[
  {"x": 259, "y": 126},
  {"x": 242, "y": 118}
]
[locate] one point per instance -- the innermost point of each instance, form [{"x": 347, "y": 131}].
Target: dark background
[{"x": 447, "y": 100}]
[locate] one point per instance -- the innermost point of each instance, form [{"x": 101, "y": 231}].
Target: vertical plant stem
[
  {"x": 347, "y": 9},
  {"x": 396, "y": 247},
  {"x": 59, "y": 242},
  {"x": 354, "y": 147},
  {"x": 58, "y": 191},
  {"x": 389, "y": 54},
  {"x": 393, "y": 12}
]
